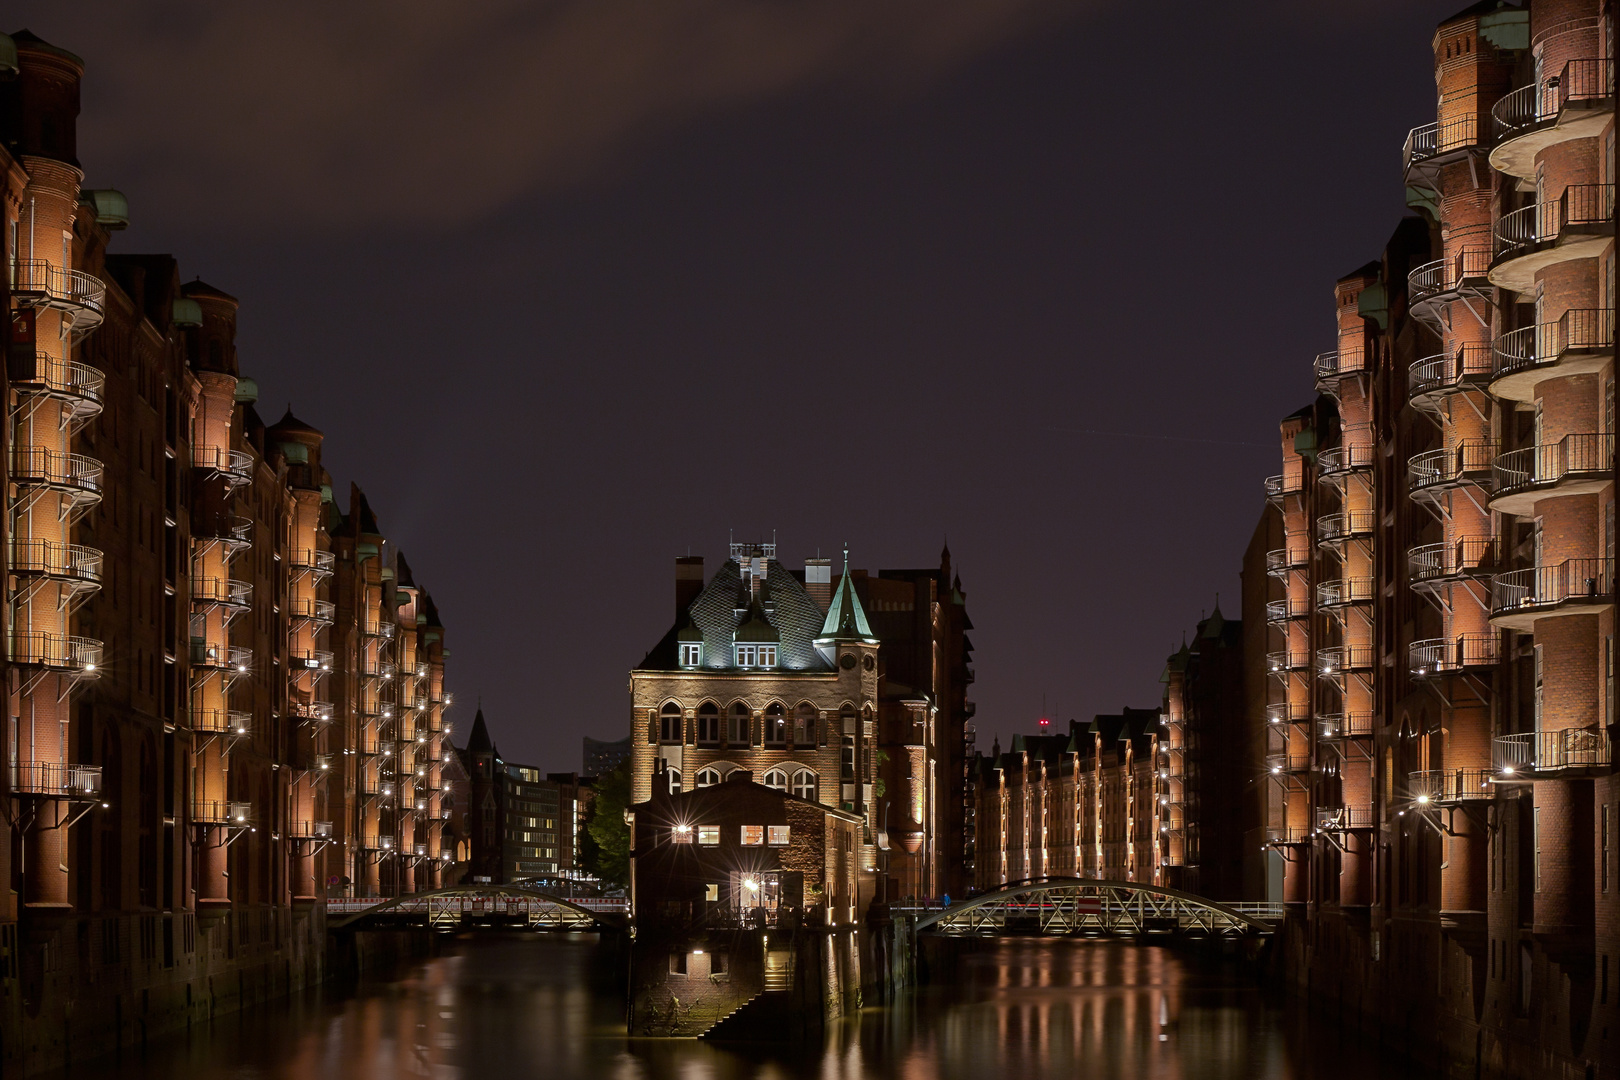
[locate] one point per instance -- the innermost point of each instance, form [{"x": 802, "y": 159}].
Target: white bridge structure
[
  {"x": 475, "y": 905},
  {"x": 1089, "y": 906}
]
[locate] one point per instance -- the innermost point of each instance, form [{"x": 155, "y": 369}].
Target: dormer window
[
  {"x": 752, "y": 656},
  {"x": 691, "y": 653}
]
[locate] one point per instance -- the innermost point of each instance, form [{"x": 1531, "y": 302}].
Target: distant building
[
  {"x": 603, "y": 757},
  {"x": 522, "y": 824}
]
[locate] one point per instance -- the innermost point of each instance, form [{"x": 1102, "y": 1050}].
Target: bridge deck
[{"x": 449, "y": 911}]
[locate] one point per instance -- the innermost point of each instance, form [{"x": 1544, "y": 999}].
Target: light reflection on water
[{"x": 515, "y": 1007}]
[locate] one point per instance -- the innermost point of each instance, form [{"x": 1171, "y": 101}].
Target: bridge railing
[{"x": 1079, "y": 905}]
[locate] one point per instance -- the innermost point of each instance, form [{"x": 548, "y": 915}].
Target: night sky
[{"x": 579, "y": 286}]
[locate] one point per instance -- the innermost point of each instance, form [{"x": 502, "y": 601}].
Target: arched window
[
  {"x": 777, "y": 780},
  {"x": 804, "y": 726},
  {"x": 669, "y": 723},
  {"x": 708, "y": 724},
  {"x": 708, "y": 776},
  {"x": 804, "y": 784},
  {"x": 737, "y": 723},
  {"x": 775, "y": 725},
  {"x": 674, "y": 776}
]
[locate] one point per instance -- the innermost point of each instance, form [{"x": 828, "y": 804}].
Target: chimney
[
  {"x": 688, "y": 584},
  {"x": 818, "y": 582}
]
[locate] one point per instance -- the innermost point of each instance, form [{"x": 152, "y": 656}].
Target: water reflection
[{"x": 523, "y": 1006}]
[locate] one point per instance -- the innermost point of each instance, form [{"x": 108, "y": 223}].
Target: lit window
[
  {"x": 753, "y": 835},
  {"x": 779, "y": 835},
  {"x": 680, "y": 834},
  {"x": 708, "y": 835},
  {"x": 737, "y": 724},
  {"x": 747, "y": 655},
  {"x": 691, "y": 653},
  {"x": 708, "y": 723},
  {"x": 669, "y": 723},
  {"x": 804, "y": 784},
  {"x": 777, "y": 780},
  {"x": 711, "y": 892},
  {"x": 767, "y": 656},
  {"x": 775, "y": 726}
]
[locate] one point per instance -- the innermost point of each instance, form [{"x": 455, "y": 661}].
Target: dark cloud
[{"x": 421, "y": 110}]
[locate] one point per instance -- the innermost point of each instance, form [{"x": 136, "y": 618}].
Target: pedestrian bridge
[
  {"x": 1088, "y": 906},
  {"x": 464, "y": 906}
]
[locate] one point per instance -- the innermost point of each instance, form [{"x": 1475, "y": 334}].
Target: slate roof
[{"x": 722, "y": 607}]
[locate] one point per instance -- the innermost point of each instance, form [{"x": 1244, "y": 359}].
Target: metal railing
[
  {"x": 64, "y": 651},
  {"x": 1337, "y": 362},
  {"x": 1443, "y": 656},
  {"x": 377, "y": 842},
  {"x": 1542, "y": 223},
  {"x": 222, "y": 721},
  {"x": 1577, "y": 330},
  {"x": 1546, "y": 466},
  {"x": 321, "y": 611},
  {"x": 310, "y": 660},
  {"x": 1551, "y": 751},
  {"x": 1280, "y": 712},
  {"x": 1450, "y": 785},
  {"x": 237, "y": 658},
  {"x": 1533, "y": 106},
  {"x": 54, "y": 779},
  {"x": 1344, "y": 591},
  {"x": 379, "y": 628},
  {"x": 314, "y": 712},
  {"x": 1431, "y": 140},
  {"x": 1467, "y": 462},
  {"x": 1539, "y": 587},
  {"x": 64, "y": 378},
  {"x": 310, "y": 559},
  {"x": 1342, "y": 526},
  {"x": 51, "y": 559},
  {"x": 236, "y": 465},
  {"x": 1332, "y": 726},
  {"x": 1454, "y": 558},
  {"x": 221, "y": 812},
  {"x": 1445, "y": 276},
  {"x": 1342, "y": 818},
  {"x": 311, "y": 830},
  {"x": 1345, "y": 458},
  {"x": 1279, "y": 486},
  {"x": 1283, "y": 762},
  {"x": 1288, "y": 608},
  {"x": 42, "y": 465},
  {"x": 1287, "y": 834},
  {"x": 1444, "y": 371},
  {"x": 1335, "y": 659},
  {"x": 227, "y": 591},
  {"x": 1287, "y": 661},
  {"x": 1283, "y": 559},
  {"x": 37, "y": 277}
]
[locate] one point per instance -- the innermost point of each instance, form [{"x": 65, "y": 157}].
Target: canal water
[{"x": 511, "y": 1007}]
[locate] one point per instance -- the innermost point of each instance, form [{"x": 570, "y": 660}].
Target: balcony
[
  {"x": 1430, "y": 658},
  {"x": 1432, "y": 565},
  {"x": 1336, "y": 660},
  {"x": 233, "y": 659},
  {"x": 1438, "y": 142},
  {"x": 216, "y": 812},
  {"x": 74, "y": 564},
  {"x": 1280, "y": 712},
  {"x": 1434, "y": 472},
  {"x": 1446, "y": 787},
  {"x": 377, "y": 842},
  {"x": 1575, "y": 103},
  {"x": 1284, "y": 559},
  {"x": 225, "y": 592},
  {"x": 236, "y": 466},
  {"x": 1431, "y": 379},
  {"x": 1287, "y": 764},
  {"x": 235, "y": 530},
  {"x": 79, "y": 387},
  {"x": 79, "y": 295},
  {"x": 1332, "y": 366},
  {"x": 1280, "y": 487},
  {"x": 378, "y": 668},
  {"x": 311, "y": 830},
  {"x": 221, "y": 721},
  {"x": 1284, "y": 661},
  {"x": 379, "y": 628},
  {"x": 57, "y": 652},
  {"x": 1579, "y": 343},
  {"x": 1576, "y": 225},
  {"x": 1331, "y": 727},
  {"x": 1344, "y": 592},
  {"x": 1433, "y": 285},
  {"x": 321, "y": 612},
  {"x": 310, "y": 712},
  {"x": 1345, "y": 818},
  {"x": 310, "y": 561},
  {"x": 1573, "y": 587},
  {"x": 316, "y": 660},
  {"x": 1285, "y": 609},
  {"x": 1339, "y": 461},
  {"x": 76, "y": 477},
  {"x": 1277, "y": 835},
  {"x": 1539, "y": 755},
  {"x": 55, "y": 781},
  {"x": 1349, "y": 525},
  {"x": 1577, "y": 464}
]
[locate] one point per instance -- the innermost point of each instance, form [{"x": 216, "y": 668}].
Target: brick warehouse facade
[
  {"x": 1440, "y": 599},
  {"x": 197, "y": 639},
  {"x": 853, "y": 696}
]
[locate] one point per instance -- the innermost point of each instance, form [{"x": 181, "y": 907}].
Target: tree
[{"x": 606, "y": 853}]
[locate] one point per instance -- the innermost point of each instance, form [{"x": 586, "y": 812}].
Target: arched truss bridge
[
  {"x": 1088, "y": 906},
  {"x": 503, "y": 905}
]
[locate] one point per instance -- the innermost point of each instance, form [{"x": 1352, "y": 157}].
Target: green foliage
[{"x": 605, "y": 848}]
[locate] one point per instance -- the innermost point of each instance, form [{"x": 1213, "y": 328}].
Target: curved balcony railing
[
  {"x": 1335, "y": 364},
  {"x": 1573, "y": 582},
  {"x": 74, "y": 473},
  {"x": 1445, "y": 786},
  {"x": 1575, "y": 457},
  {"x": 1278, "y": 487},
  {"x": 80, "y": 386},
  {"x": 1429, "y": 141},
  {"x": 377, "y": 841},
  {"x": 1433, "y": 657},
  {"x": 55, "y": 780},
  {"x": 313, "y": 561},
  {"x": 1280, "y": 561},
  {"x": 1580, "y": 334},
  {"x": 1287, "y": 660},
  {"x": 310, "y": 660},
  {"x": 1345, "y": 818},
  {"x": 318, "y": 611},
  {"x": 235, "y": 465},
  {"x": 1280, "y": 712},
  {"x": 228, "y": 592},
  {"x": 63, "y": 652},
  {"x": 1535, "y": 106},
  {"x": 1582, "y": 208},
  {"x": 1346, "y": 458},
  {"x": 1469, "y": 462},
  {"x": 1335, "y": 660},
  {"x": 1465, "y": 556},
  {"x": 84, "y": 293},
  {"x": 311, "y": 830},
  {"x": 233, "y": 658},
  {"x": 1334, "y": 726},
  {"x": 1550, "y": 752},
  {"x": 310, "y": 712},
  {"x": 1444, "y": 278},
  {"x": 222, "y": 721},
  {"x": 74, "y": 563},
  {"x": 1448, "y": 372},
  {"x": 1278, "y": 764},
  {"x": 1331, "y": 528},
  {"x": 235, "y": 529},
  {"x": 1344, "y": 591},
  {"x": 370, "y": 665},
  {"x": 1286, "y": 608},
  {"x": 379, "y": 629},
  {"x": 221, "y": 812}
]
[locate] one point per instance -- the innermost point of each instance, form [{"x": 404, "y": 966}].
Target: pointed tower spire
[{"x": 845, "y": 618}]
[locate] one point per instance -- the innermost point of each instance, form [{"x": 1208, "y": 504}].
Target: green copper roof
[{"x": 845, "y": 618}]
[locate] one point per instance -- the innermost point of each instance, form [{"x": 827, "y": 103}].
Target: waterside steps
[{"x": 768, "y": 1016}]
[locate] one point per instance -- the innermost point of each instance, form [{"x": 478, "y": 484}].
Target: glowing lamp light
[
  {"x": 697, "y": 952},
  {"x": 1276, "y": 769},
  {"x": 751, "y": 885},
  {"x": 683, "y": 828},
  {"x": 1423, "y": 800},
  {"x": 241, "y": 668},
  {"x": 1507, "y": 770},
  {"x": 89, "y": 667}
]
